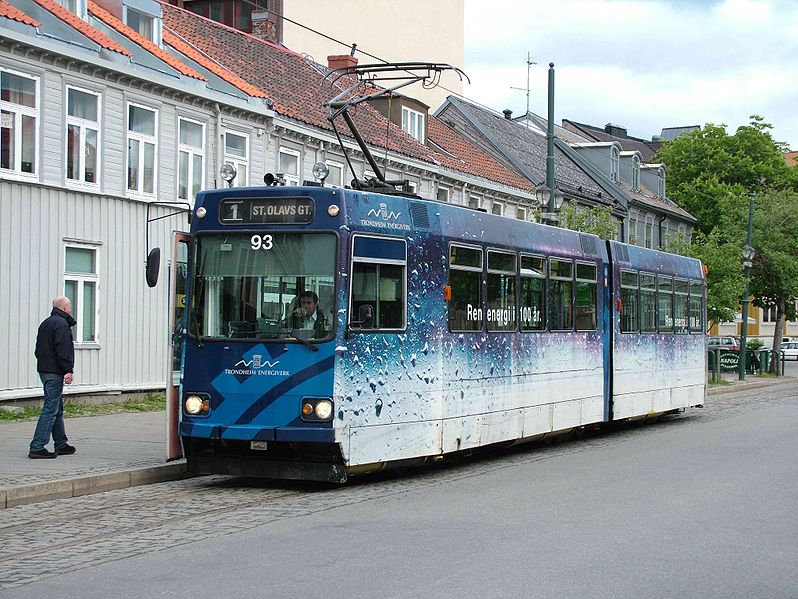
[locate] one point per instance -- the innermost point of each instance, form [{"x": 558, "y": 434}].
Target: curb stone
[{"x": 86, "y": 485}]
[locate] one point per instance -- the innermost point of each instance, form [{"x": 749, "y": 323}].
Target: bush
[{"x": 754, "y": 344}]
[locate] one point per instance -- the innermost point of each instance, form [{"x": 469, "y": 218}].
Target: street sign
[{"x": 729, "y": 362}]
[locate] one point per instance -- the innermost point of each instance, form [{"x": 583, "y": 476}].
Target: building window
[
  {"x": 336, "y": 176},
  {"x": 82, "y": 136},
  {"x": 77, "y": 7},
  {"x": 288, "y": 166},
  {"x": 19, "y": 123},
  {"x": 413, "y": 123},
  {"x": 769, "y": 313},
  {"x": 443, "y": 194},
  {"x": 649, "y": 235},
  {"x": 520, "y": 213},
  {"x": 236, "y": 153},
  {"x": 141, "y": 23},
  {"x": 615, "y": 164},
  {"x": 80, "y": 286},
  {"x": 497, "y": 209},
  {"x": 142, "y": 149},
  {"x": 191, "y": 159},
  {"x": 474, "y": 202}
]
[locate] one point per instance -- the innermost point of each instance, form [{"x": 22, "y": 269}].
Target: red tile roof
[
  {"x": 82, "y": 26},
  {"x": 110, "y": 20},
  {"x": 10, "y": 12},
  {"x": 198, "y": 57},
  {"x": 298, "y": 91}
]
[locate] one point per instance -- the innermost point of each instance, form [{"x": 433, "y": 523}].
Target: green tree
[
  {"x": 597, "y": 220},
  {"x": 710, "y": 174},
  {"x": 774, "y": 276}
]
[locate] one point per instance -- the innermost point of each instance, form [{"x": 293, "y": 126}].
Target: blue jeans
[{"x": 51, "y": 419}]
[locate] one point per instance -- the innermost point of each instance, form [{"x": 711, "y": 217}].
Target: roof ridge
[
  {"x": 82, "y": 27},
  {"x": 133, "y": 35}
]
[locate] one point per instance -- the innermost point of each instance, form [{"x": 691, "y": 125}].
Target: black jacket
[{"x": 55, "y": 352}]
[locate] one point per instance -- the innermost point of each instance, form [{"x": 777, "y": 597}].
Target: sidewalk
[{"x": 115, "y": 451}]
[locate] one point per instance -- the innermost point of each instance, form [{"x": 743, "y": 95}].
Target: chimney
[
  {"x": 341, "y": 61},
  {"x": 265, "y": 26},
  {"x": 508, "y": 114},
  {"x": 615, "y": 130}
]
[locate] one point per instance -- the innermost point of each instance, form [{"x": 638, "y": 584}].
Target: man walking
[{"x": 55, "y": 359}]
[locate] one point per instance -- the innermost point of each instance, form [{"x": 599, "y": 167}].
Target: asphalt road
[{"x": 698, "y": 505}]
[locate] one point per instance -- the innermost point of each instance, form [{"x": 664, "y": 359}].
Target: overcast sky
[{"x": 642, "y": 64}]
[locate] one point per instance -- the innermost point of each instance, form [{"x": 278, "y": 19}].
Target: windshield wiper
[{"x": 306, "y": 343}]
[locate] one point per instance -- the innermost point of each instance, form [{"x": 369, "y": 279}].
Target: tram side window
[
  {"x": 629, "y": 318},
  {"x": 533, "y": 293},
  {"x": 378, "y": 281},
  {"x": 465, "y": 281},
  {"x": 501, "y": 291},
  {"x": 665, "y": 304},
  {"x": 648, "y": 303},
  {"x": 696, "y": 307},
  {"x": 585, "y": 297},
  {"x": 681, "y": 305},
  {"x": 560, "y": 295}
]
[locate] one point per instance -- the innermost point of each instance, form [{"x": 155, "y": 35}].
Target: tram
[{"x": 329, "y": 332}]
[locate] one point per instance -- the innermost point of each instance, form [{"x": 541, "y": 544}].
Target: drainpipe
[{"x": 219, "y": 144}]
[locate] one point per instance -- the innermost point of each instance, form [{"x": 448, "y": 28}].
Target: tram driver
[{"x": 308, "y": 321}]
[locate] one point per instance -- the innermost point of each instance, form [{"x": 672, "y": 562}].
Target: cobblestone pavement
[{"x": 55, "y": 537}]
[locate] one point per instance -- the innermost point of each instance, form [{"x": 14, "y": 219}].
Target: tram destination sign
[{"x": 286, "y": 211}]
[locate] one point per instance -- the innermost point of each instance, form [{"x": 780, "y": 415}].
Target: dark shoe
[
  {"x": 42, "y": 454},
  {"x": 66, "y": 450}
]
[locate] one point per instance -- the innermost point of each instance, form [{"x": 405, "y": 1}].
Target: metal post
[
  {"x": 746, "y": 299},
  {"x": 550, "y": 182}
]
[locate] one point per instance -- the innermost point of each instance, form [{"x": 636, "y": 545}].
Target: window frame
[
  {"x": 550, "y": 286},
  {"x": 237, "y": 161},
  {"x": 81, "y": 279},
  {"x": 663, "y": 330},
  {"x": 292, "y": 179},
  {"x": 19, "y": 111},
  {"x": 141, "y": 138},
  {"x": 378, "y": 261},
  {"x": 447, "y": 190},
  {"x": 507, "y": 273},
  {"x": 84, "y": 124},
  {"x": 480, "y": 270},
  {"x": 594, "y": 281},
  {"x": 417, "y": 132},
  {"x": 192, "y": 152},
  {"x": 333, "y": 164},
  {"x": 155, "y": 22},
  {"x": 533, "y": 275},
  {"x": 636, "y": 288}
]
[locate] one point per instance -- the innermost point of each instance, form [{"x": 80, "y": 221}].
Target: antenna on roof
[
  {"x": 362, "y": 80},
  {"x": 529, "y": 63}
]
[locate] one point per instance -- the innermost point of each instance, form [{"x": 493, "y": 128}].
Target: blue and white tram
[{"x": 438, "y": 329}]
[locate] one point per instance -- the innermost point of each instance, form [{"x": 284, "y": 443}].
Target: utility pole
[{"x": 748, "y": 256}]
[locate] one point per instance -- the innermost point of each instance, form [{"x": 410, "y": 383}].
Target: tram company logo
[
  {"x": 257, "y": 365},
  {"x": 386, "y": 218}
]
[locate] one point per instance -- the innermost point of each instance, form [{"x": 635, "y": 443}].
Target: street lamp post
[
  {"x": 748, "y": 257},
  {"x": 551, "y": 203}
]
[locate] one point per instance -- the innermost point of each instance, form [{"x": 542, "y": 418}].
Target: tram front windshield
[{"x": 264, "y": 286}]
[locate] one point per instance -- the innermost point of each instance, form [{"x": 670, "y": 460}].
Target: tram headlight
[
  {"x": 196, "y": 405},
  {"x": 316, "y": 409},
  {"x": 323, "y": 409}
]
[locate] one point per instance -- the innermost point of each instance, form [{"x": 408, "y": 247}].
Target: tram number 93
[{"x": 261, "y": 242}]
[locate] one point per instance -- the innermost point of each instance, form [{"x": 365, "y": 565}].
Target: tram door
[{"x": 178, "y": 274}]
